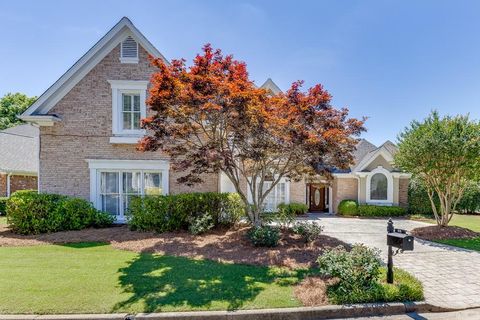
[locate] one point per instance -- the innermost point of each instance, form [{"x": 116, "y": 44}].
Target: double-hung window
[{"x": 128, "y": 108}]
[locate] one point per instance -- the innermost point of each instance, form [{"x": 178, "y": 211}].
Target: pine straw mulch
[
  {"x": 219, "y": 245},
  {"x": 312, "y": 291},
  {"x": 443, "y": 233}
]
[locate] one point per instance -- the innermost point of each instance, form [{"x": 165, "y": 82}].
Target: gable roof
[
  {"x": 19, "y": 147},
  {"x": 69, "y": 79},
  {"x": 387, "y": 150},
  {"x": 269, "y": 85}
]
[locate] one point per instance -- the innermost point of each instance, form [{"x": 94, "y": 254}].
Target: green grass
[
  {"x": 95, "y": 278},
  {"x": 405, "y": 287},
  {"x": 471, "y": 222},
  {"x": 472, "y": 244}
]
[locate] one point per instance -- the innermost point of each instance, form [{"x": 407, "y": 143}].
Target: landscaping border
[{"x": 302, "y": 313}]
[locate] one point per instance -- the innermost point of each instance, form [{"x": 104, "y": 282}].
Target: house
[
  {"x": 18, "y": 159},
  {"x": 89, "y": 124}
]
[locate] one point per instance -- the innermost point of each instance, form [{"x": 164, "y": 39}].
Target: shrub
[
  {"x": 29, "y": 212},
  {"x": 175, "y": 212},
  {"x": 356, "y": 270},
  {"x": 470, "y": 202},
  {"x": 201, "y": 224},
  {"x": 366, "y": 210},
  {"x": 418, "y": 201},
  {"x": 293, "y": 208},
  {"x": 3, "y": 205},
  {"x": 309, "y": 231},
  {"x": 348, "y": 207},
  {"x": 264, "y": 236}
]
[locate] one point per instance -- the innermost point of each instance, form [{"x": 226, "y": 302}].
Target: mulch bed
[
  {"x": 312, "y": 291},
  {"x": 443, "y": 233},
  {"x": 218, "y": 245}
]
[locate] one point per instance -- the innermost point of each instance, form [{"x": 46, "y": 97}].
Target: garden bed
[
  {"x": 433, "y": 233},
  {"x": 219, "y": 245}
]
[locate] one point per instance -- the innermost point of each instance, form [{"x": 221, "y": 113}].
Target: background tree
[
  {"x": 211, "y": 117},
  {"x": 444, "y": 153},
  {"x": 12, "y": 105}
]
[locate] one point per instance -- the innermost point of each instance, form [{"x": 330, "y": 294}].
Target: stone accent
[
  {"x": 403, "y": 192},
  {"x": 86, "y": 113},
  {"x": 344, "y": 188}
]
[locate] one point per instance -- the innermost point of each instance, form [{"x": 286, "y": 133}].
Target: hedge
[
  {"x": 3, "y": 205},
  {"x": 352, "y": 208},
  {"x": 293, "y": 208},
  {"x": 29, "y": 212},
  {"x": 174, "y": 212}
]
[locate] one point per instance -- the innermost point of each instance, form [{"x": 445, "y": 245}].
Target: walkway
[{"x": 450, "y": 276}]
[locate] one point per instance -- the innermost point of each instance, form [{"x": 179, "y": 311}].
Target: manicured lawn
[
  {"x": 472, "y": 244},
  {"x": 471, "y": 222},
  {"x": 95, "y": 278}
]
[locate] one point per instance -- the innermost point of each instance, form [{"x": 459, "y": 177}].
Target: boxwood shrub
[
  {"x": 348, "y": 207},
  {"x": 293, "y": 208},
  {"x": 3, "y": 205},
  {"x": 366, "y": 210},
  {"x": 174, "y": 212},
  {"x": 29, "y": 212},
  {"x": 264, "y": 236}
]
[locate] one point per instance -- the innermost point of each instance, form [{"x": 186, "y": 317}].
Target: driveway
[{"x": 450, "y": 276}]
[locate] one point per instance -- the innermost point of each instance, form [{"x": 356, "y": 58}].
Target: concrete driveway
[{"x": 450, "y": 276}]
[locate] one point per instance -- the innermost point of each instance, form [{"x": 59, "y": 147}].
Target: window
[
  {"x": 118, "y": 187},
  {"x": 129, "y": 51},
  {"x": 131, "y": 113},
  {"x": 128, "y": 108},
  {"x": 276, "y": 196},
  {"x": 379, "y": 187}
]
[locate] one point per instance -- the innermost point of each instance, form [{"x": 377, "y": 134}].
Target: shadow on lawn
[{"x": 159, "y": 281}]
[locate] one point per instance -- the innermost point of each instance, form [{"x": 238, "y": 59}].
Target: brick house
[
  {"x": 89, "y": 124},
  {"x": 18, "y": 159}
]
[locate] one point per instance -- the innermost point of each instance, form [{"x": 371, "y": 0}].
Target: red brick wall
[
  {"x": 403, "y": 192},
  {"x": 3, "y": 185},
  {"x": 23, "y": 183}
]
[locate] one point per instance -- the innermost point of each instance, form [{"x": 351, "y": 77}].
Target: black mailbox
[{"x": 400, "y": 240}]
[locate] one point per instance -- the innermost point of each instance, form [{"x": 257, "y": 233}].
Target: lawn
[
  {"x": 472, "y": 244},
  {"x": 471, "y": 222},
  {"x": 96, "y": 278}
]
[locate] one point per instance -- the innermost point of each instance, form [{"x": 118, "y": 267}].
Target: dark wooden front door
[{"x": 317, "y": 197}]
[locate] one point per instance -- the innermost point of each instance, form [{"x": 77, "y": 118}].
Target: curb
[{"x": 302, "y": 313}]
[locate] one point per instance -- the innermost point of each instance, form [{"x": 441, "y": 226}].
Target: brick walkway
[{"x": 450, "y": 276}]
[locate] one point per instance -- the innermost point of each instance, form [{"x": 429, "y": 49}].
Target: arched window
[{"x": 379, "y": 187}]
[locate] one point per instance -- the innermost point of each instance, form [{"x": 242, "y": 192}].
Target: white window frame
[
  {"x": 287, "y": 191},
  {"x": 128, "y": 59},
  {"x": 97, "y": 166},
  {"x": 120, "y": 87},
  {"x": 388, "y": 174}
]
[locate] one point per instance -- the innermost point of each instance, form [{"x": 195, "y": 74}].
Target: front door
[{"x": 317, "y": 197}]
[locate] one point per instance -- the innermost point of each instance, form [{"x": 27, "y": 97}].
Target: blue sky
[{"x": 392, "y": 61}]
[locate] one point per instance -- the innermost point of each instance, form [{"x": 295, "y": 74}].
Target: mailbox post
[{"x": 399, "y": 239}]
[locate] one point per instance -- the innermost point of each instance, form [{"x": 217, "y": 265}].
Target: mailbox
[{"x": 400, "y": 240}]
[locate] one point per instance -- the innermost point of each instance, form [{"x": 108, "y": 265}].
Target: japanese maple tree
[{"x": 210, "y": 118}]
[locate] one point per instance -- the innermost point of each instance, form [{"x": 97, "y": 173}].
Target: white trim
[
  {"x": 128, "y": 164},
  {"x": 97, "y": 166},
  {"x": 344, "y": 175},
  {"x": 87, "y": 62},
  {"x": 125, "y": 140},
  {"x": 388, "y": 175},
  {"x": 282, "y": 180},
  {"x": 330, "y": 200},
  {"x": 382, "y": 151},
  {"x": 41, "y": 120},
  {"x": 127, "y": 86},
  {"x": 8, "y": 184}
]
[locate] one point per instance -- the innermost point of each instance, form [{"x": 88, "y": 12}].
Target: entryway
[{"x": 318, "y": 197}]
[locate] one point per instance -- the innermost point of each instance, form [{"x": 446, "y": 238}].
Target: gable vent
[{"x": 129, "y": 50}]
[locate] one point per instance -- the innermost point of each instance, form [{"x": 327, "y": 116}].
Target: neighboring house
[
  {"x": 90, "y": 123},
  {"x": 18, "y": 159}
]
